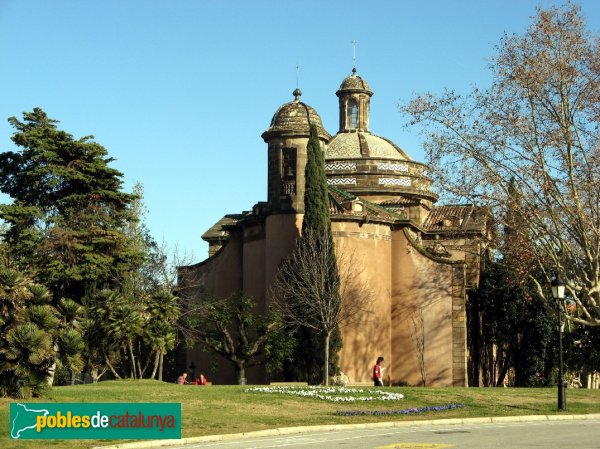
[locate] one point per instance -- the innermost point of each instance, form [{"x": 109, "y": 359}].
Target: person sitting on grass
[
  {"x": 182, "y": 380},
  {"x": 201, "y": 380}
]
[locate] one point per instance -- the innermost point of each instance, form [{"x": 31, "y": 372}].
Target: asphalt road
[{"x": 578, "y": 434}]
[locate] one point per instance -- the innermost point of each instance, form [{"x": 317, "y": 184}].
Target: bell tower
[
  {"x": 354, "y": 99},
  {"x": 287, "y": 139}
]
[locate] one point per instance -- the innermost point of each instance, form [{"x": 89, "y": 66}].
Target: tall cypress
[{"x": 318, "y": 222}]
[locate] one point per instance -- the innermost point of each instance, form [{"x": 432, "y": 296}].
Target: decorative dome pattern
[
  {"x": 363, "y": 145},
  {"x": 354, "y": 82},
  {"x": 294, "y": 118}
]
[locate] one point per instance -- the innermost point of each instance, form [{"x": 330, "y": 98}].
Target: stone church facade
[{"x": 420, "y": 260}]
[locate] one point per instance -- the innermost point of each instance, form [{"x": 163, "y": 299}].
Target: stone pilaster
[{"x": 459, "y": 327}]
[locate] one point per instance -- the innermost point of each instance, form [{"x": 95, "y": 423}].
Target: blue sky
[{"x": 179, "y": 92}]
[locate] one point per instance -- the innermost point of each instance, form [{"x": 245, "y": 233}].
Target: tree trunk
[
  {"x": 140, "y": 371},
  {"x": 241, "y": 372},
  {"x": 133, "y": 373},
  {"x": 112, "y": 368},
  {"x": 503, "y": 371},
  {"x": 51, "y": 372},
  {"x": 160, "y": 366},
  {"x": 155, "y": 367},
  {"x": 326, "y": 366},
  {"x": 96, "y": 374}
]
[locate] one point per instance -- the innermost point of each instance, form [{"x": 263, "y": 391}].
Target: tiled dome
[
  {"x": 363, "y": 145},
  {"x": 294, "y": 118},
  {"x": 354, "y": 83}
]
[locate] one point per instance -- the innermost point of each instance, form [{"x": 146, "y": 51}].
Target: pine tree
[{"x": 65, "y": 225}]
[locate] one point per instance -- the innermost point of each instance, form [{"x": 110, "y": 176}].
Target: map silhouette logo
[
  {"x": 24, "y": 419},
  {"x": 94, "y": 420}
]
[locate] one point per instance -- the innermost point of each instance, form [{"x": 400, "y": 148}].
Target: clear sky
[{"x": 179, "y": 92}]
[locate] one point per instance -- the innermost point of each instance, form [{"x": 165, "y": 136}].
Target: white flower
[{"x": 333, "y": 394}]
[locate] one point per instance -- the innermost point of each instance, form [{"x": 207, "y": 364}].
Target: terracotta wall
[
  {"x": 367, "y": 248},
  {"x": 220, "y": 276},
  {"x": 282, "y": 231},
  {"x": 422, "y": 305}
]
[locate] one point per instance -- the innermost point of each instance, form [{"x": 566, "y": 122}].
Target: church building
[{"x": 419, "y": 259}]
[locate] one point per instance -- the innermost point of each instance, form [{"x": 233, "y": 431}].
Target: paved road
[{"x": 584, "y": 434}]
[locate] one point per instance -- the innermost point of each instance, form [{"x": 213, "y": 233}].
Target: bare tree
[
  {"x": 537, "y": 125},
  {"x": 308, "y": 296},
  {"x": 418, "y": 336}
]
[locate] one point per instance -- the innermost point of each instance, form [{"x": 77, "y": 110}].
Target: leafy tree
[
  {"x": 66, "y": 220},
  {"x": 536, "y": 125},
  {"x": 232, "y": 328}
]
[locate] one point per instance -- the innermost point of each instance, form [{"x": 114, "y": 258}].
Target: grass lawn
[{"x": 228, "y": 409}]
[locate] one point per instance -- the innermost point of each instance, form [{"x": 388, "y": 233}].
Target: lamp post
[{"x": 558, "y": 293}]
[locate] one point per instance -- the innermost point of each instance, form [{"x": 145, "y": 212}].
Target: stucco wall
[
  {"x": 282, "y": 231},
  {"x": 367, "y": 248},
  {"x": 422, "y": 306},
  {"x": 219, "y": 275}
]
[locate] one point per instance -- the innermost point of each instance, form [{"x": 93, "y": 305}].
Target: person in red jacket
[
  {"x": 201, "y": 380},
  {"x": 377, "y": 369}
]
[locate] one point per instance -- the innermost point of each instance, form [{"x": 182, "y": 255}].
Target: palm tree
[
  {"x": 29, "y": 325},
  {"x": 163, "y": 311}
]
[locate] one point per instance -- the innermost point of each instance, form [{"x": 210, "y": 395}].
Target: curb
[{"x": 333, "y": 427}]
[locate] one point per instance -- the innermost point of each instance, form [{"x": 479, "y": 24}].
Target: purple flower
[{"x": 406, "y": 411}]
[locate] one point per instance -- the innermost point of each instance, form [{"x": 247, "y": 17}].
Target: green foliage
[
  {"x": 519, "y": 323},
  {"x": 582, "y": 349},
  {"x": 317, "y": 221},
  {"x": 233, "y": 328},
  {"x": 123, "y": 330},
  {"x": 29, "y": 329},
  {"x": 316, "y": 199},
  {"x": 516, "y": 319},
  {"x": 72, "y": 229},
  {"x": 65, "y": 223},
  {"x": 308, "y": 359}
]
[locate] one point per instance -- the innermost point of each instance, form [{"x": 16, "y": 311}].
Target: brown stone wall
[
  {"x": 220, "y": 276},
  {"x": 368, "y": 248},
  {"x": 254, "y": 263},
  {"x": 282, "y": 231},
  {"x": 425, "y": 302}
]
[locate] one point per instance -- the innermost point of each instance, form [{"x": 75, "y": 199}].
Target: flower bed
[
  {"x": 332, "y": 394},
  {"x": 408, "y": 411}
]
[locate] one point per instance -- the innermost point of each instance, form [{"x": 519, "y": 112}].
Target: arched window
[{"x": 352, "y": 114}]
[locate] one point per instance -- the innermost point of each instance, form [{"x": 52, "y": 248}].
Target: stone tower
[
  {"x": 354, "y": 98},
  {"x": 287, "y": 138}
]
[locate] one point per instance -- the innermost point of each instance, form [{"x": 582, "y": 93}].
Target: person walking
[{"x": 377, "y": 370}]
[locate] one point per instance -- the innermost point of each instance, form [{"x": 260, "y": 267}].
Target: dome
[
  {"x": 294, "y": 118},
  {"x": 354, "y": 83},
  {"x": 363, "y": 145}
]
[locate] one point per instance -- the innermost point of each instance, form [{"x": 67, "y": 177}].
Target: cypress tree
[{"x": 317, "y": 361}]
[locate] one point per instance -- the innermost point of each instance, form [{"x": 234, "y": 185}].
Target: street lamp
[{"x": 558, "y": 293}]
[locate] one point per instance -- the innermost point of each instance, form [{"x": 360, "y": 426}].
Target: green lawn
[{"x": 228, "y": 409}]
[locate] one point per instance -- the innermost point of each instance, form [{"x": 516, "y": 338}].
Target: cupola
[{"x": 354, "y": 98}]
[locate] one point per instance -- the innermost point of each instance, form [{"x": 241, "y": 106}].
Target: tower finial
[
  {"x": 354, "y": 42},
  {"x": 297, "y": 92}
]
